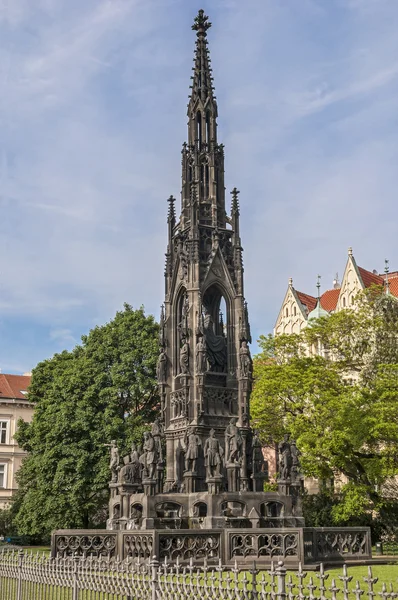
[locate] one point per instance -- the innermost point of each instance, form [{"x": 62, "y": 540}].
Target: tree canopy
[
  {"x": 334, "y": 388},
  {"x": 102, "y": 390}
]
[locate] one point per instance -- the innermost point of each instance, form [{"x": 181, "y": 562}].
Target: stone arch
[
  {"x": 181, "y": 318},
  {"x": 200, "y": 509},
  {"x": 233, "y": 508},
  {"x": 217, "y": 327},
  {"x": 272, "y": 509},
  {"x": 168, "y": 510}
]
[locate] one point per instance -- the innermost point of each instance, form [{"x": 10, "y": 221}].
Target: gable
[{"x": 292, "y": 317}]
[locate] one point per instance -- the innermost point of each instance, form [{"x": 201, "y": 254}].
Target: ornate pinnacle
[
  {"x": 194, "y": 195},
  {"x": 171, "y": 214},
  {"x": 201, "y": 23},
  {"x": 318, "y": 285},
  {"x": 235, "y": 201}
]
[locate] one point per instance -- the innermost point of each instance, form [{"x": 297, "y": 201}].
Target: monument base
[{"x": 293, "y": 545}]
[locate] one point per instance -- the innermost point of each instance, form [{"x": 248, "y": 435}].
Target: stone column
[
  {"x": 214, "y": 484},
  {"x": 244, "y": 481},
  {"x": 149, "y": 487},
  {"x": 233, "y": 470},
  {"x": 190, "y": 482}
]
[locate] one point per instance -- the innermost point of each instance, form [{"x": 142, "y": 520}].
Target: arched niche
[
  {"x": 233, "y": 508},
  {"x": 199, "y": 127},
  {"x": 216, "y": 321},
  {"x": 168, "y": 510},
  {"x": 181, "y": 312},
  {"x": 200, "y": 509},
  {"x": 272, "y": 509},
  {"x": 136, "y": 513}
]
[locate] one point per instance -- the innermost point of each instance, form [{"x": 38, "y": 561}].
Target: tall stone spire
[
  {"x": 202, "y": 156},
  {"x": 202, "y": 80},
  {"x": 206, "y": 327}
]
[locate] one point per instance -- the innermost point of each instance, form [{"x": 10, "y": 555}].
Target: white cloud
[{"x": 92, "y": 114}]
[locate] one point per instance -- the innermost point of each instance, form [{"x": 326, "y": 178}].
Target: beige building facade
[
  {"x": 14, "y": 405},
  {"x": 299, "y": 307}
]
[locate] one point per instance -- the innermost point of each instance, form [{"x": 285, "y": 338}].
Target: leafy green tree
[
  {"x": 102, "y": 390},
  {"x": 341, "y": 404}
]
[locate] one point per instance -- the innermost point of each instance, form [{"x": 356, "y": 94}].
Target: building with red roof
[
  {"x": 299, "y": 307},
  {"x": 14, "y": 405}
]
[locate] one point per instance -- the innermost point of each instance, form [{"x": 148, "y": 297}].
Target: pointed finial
[
  {"x": 318, "y": 285},
  {"x": 350, "y": 251},
  {"x": 201, "y": 23},
  {"x": 171, "y": 214},
  {"x": 290, "y": 281},
  {"x": 235, "y": 201},
  {"x": 386, "y": 271}
]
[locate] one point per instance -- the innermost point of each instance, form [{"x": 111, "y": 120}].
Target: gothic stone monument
[
  {"x": 212, "y": 474},
  {"x": 195, "y": 487}
]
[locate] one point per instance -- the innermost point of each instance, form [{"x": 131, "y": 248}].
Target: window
[
  {"x": 2, "y": 476},
  {"x": 294, "y": 311},
  {"x": 344, "y": 302},
  {"x": 287, "y": 312},
  {"x": 3, "y": 432}
]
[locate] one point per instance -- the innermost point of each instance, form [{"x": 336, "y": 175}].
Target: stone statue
[
  {"x": 257, "y": 454},
  {"x": 245, "y": 360},
  {"x": 191, "y": 442},
  {"x": 184, "y": 359},
  {"x": 216, "y": 345},
  {"x": 130, "y": 472},
  {"x": 201, "y": 359},
  {"x": 161, "y": 367},
  {"x": 135, "y": 464},
  {"x": 233, "y": 442},
  {"x": 114, "y": 464},
  {"x": 157, "y": 434},
  {"x": 213, "y": 455},
  {"x": 149, "y": 457},
  {"x": 295, "y": 458},
  {"x": 285, "y": 458},
  {"x": 183, "y": 254}
]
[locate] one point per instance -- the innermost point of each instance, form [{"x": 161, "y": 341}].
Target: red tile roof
[
  {"x": 393, "y": 283},
  {"x": 329, "y": 299},
  {"x": 12, "y": 386},
  {"x": 370, "y": 278},
  {"x": 308, "y": 301}
]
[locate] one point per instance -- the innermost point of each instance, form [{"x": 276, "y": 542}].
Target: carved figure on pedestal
[
  {"x": 216, "y": 345},
  {"x": 130, "y": 472},
  {"x": 201, "y": 359},
  {"x": 257, "y": 454},
  {"x": 157, "y": 434},
  {"x": 285, "y": 458},
  {"x": 184, "y": 358},
  {"x": 183, "y": 254},
  {"x": 191, "y": 442},
  {"x": 161, "y": 367},
  {"x": 233, "y": 442},
  {"x": 184, "y": 317},
  {"x": 149, "y": 457},
  {"x": 295, "y": 458},
  {"x": 114, "y": 464},
  {"x": 245, "y": 360},
  {"x": 213, "y": 455}
]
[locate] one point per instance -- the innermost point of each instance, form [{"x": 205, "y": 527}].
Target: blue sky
[{"x": 93, "y": 101}]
